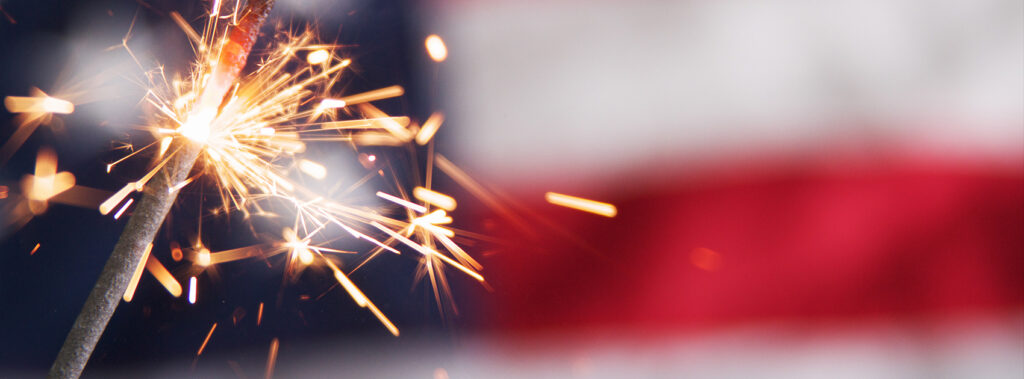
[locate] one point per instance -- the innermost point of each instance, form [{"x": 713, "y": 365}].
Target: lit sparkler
[{"x": 248, "y": 136}]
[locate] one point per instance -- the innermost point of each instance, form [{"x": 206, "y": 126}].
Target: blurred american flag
[{"x": 805, "y": 188}]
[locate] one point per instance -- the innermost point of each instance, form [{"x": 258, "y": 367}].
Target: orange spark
[
  {"x": 377, "y": 94},
  {"x": 206, "y": 340},
  {"x": 579, "y": 203},
  {"x": 163, "y": 276},
  {"x": 434, "y": 198},
  {"x": 405, "y": 203},
  {"x": 318, "y": 56},
  {"x": 176, "y": 253},
  {"x": 259, "y": 315},
  {"x": 313, "y": 169},
  {"x": 429, "y": 128},
  {"x": 47, "y": 182},
  {"x": 272, "y": 358},
  {"x": 436, "y": 48},
  {"x": 38, "y": 104},
  {"x": 130, "y": 291}
]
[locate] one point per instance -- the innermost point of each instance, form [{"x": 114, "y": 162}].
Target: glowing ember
[
  {"x": 207, "y": 339},
  {"x": 128, "y": 294},
  {"x": 436, "y": 199},
  {"x": 161, "y": 274},
  {"x": 38, "y": 104},
  {"x": 579, "y": 203},
  {"x": 272, "y": 358},
  {"x": 436, "y": 48},
  {"x": 318, "y": 56},
  {"x": 430, "y": 127}
]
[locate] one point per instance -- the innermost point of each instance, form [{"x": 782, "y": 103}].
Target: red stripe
[{"x": 797, "y": 244}]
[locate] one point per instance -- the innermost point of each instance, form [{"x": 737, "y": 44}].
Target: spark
[
  {"x": 429, "y": 128},
  {"x": 107, "y": 205},
  {"x": 123, "y": 208},
  {"x": 130, "y": 292},
  {"x": 38, "y": 104},
  {"x": 192, "y": 290},
  {"x": 203, "y": 257},
  {"x": 318, "y": 56},
  {"x": 313, "y": 169},
  {"x": 405, "y": 203},
  {"x": 34, "y": 250},
  {"x": 32, "y": 111},
  {"x": 272, "y": 358},
  {"x": 163, "y": 276},
  {"x": 46, "y": 183},
  {"x": 436, "y": 48},
  {"x": 176, "y": 253},
  {"x": 436, "y": 199},
  {"x": 379, "y": 94},
  {"x": 581, "y": 204},
  {"x": 428, "y": 251},
  {"x": 207, "y": 339},
  {"x": 259, "y": 315}
]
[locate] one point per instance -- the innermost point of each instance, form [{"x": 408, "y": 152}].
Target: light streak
[
  {"x": 130, "y": 292},
  {"x": 46, "y": 183},
  {"x": 163, "y": 276},
  {"x": 436, "y": 48},
  {"x": 32, "y": 111},
  {"x": 405, "y": 203},
  {"x": 259, "y": 315},
  {"x": 272, "y": 358},
  {"x": 436, "y": 199},
  {"x": 203, "y": 257},
  {"x": 38, "y": 104},
  {"x": 207, "y": 339},
  {"x": 429, "y": 128},
  {"x": 107, "y": 205},
  {"x": 313, "y": 169},
  {"x": 428, "y": 251},
  {"x": 123, "y": 208},
  {"x": 192, "y": 290},
  {"x": 579, "y": 203},
  {"x": 34, "y": 250},
  {"x": 378, "y": 94},
  {"x": 318, "y": 56}
]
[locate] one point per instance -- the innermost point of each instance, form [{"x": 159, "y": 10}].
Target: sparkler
[
  {"x": 247, "y": 134},
  {"x": 136, "y": 240}
]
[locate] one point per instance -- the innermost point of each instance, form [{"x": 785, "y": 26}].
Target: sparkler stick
[{"x": 156, "y": 202}]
